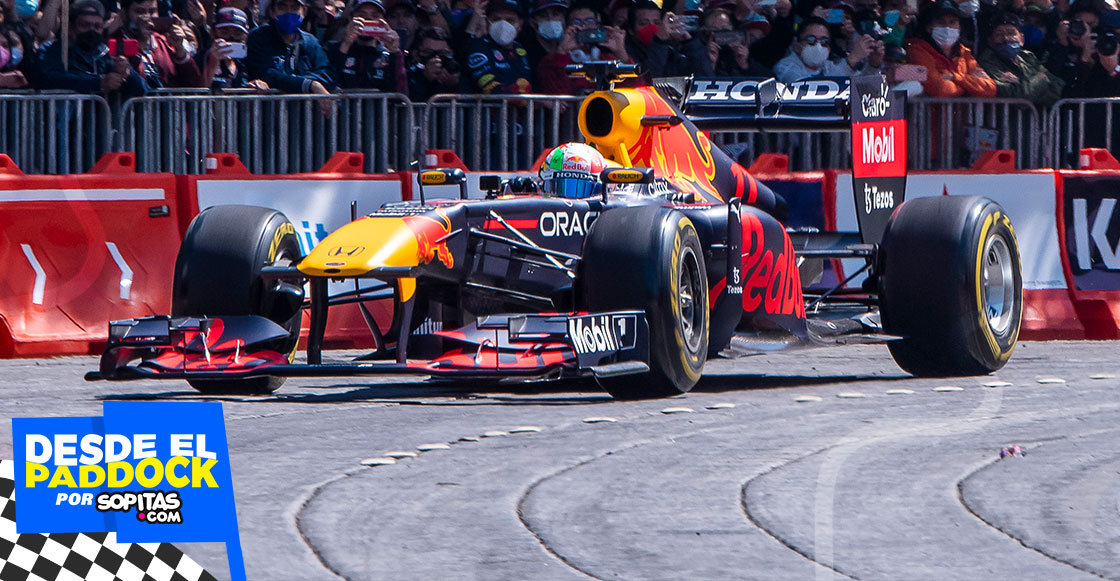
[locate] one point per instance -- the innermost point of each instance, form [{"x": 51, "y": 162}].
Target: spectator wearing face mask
[
  {"x": 1018, "y": 74},
  {"x": 661, "y": 44},
  {"x": 809, "y": 56},
  {"x": 496, "y": 63},
  {"x": 225, "y": 61},
  {"x": 951, "y": 70},
  {"x": 585, "y": 39},
  {"x": 284, "y": 56},
  {"x": 546, "y": 29},
  {"x": 369, "y": 56},
  {"x": 434, "y": 69},
  {"x": 90, "y": 68}
]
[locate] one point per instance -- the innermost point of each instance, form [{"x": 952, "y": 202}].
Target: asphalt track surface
[{"x": 883, "y": 477}]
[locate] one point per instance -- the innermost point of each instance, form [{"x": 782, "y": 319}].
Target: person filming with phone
[
  {"x": 369, "y": 55},
  {"x": 584, "y": 39},
  {"x": 225, "y": 68},
  {"x": 92, "y": 69},
  {"x": 162, "y": 61}
]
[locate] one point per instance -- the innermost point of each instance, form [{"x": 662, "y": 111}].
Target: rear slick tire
[
  {"x": 951, "y": 286},
  {"x": 217, "y": 272},
  {"x": 661, "y": 272}
]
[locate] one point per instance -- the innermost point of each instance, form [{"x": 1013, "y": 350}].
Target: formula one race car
[{"x": 645, "y": 253}]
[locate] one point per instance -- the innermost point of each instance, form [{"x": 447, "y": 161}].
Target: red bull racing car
[{"x": 645, "y": 253}]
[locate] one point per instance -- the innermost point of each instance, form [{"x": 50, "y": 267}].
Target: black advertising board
[
  {"x": 878, "y": 153},
  {"x": 1091, "y": 214}
]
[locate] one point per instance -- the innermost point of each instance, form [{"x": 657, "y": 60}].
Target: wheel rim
[
  {"x": 998, "y": 285},
  {"x": 691, "y": 315}
]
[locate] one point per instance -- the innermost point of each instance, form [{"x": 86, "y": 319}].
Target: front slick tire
[
  {"x": 218, "y": 272},
  {"x": 951, "y": 286},
  {"x": 650, "y": 258}
]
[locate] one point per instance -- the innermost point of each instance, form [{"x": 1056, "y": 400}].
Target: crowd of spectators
[{"x": 1040, "y": 50}]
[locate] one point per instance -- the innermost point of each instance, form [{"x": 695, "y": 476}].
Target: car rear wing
[{"x": 761, "y": 104}]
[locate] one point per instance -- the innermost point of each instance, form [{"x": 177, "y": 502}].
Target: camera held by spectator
[
  {"x": 225, "y": 68},
  {"x": 434, "y": 69}
]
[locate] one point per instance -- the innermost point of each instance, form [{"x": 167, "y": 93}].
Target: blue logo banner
[{"x": 149, "y": 471}]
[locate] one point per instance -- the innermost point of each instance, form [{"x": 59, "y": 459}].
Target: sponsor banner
[
  {"x": 878, "y": 153},
  {"x": 1092, "y": 230},
  {"x": 1027, "y": 197},
  {"x": 149, "y": 471}
]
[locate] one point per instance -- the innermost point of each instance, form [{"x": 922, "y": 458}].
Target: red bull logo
[{"x": 431, "y": 231}]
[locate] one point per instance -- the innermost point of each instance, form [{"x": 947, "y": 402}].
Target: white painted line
[
  {"x": 947, "y": 388},
  {"x": 494, "y": 434},
  {"x": 469, "y": 439},
  {"x": 807, "y": 399},
  {"x": 1051, "y": 380},
  {"x": 720, "y": 406},
  {"x": 103, "y": 195},
  {"x": 432, "y": 447},
  {"x": 378, "y": 461},
  {"x": 998, "y": 384},
  {"x": 677, "y": 411},
  {"x": 400, "y": 454},
  {"x": 900, "y": 392},
  {"x": 850, "y": 395},
  {"x": 126, "y": 272},
  {"x": 525, "y": 430},
  {"x": 598, "y": 420},
  {"x": 40, "y": 275},
  {"x": 1102, "y": 376}
]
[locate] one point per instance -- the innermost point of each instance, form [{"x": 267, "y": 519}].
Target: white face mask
[
  {"x": 502, "y": 32},
  {"x": 945, "y": 36},
  {"x": 814, "y": 55},
  {"x": 550, "y": 29}
]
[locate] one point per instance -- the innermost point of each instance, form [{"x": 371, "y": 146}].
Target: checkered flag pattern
[{"x": 82, "y": 556}]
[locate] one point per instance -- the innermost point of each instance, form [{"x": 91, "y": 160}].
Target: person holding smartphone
[
  {"x": 162, "y": 61},
  {"x": 92, "y": 69},
  {"x": 661, "y": 44},
  {"x": 728, "y": 48},
  {"x": 369, "y": 55},
  {"x": 585, "y": 39},
  {"x": 225, "y": 68}
]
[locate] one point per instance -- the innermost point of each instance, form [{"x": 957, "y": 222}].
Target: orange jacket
[{"x": 968, "y": 78}]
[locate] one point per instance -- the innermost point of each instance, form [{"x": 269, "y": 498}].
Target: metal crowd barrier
[
  {"x": 1073, "y": 124},
  {"x": 271, "y": 133},
  {"x": 953, "y": 133},
  {"x": 54, "y": 132},
  {"x": 500, "y": 132},
  {"x": 807, "y": 150}
]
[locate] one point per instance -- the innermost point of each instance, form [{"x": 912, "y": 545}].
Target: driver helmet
[{"x": 572, "y": 171}]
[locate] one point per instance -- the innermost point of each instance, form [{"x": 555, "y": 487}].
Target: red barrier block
[
  {"x": 769, "y": 164},
  {"x": 81, "y": 250},
  {"x": 443, "y": 158},
  {"x": 995, "y": 161},
  {"x": 1096, "y": 158}
]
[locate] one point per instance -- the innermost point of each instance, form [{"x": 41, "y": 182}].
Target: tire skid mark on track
[
  {"x": 1041, "y": 551},
  {"x": 296, "y": 508},
  {"x": 745, "y": 507},
  {"x": 843, "y": 449}
]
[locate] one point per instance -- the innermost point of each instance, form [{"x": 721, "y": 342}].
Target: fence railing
[
  {"x": 54, "y": 133},
  {"x": 500, "y": 132},
  {"x": 271, "y": 133},
  {"x": 57, "y": 132},
  {"x": 953, "y": 133},
  {"x": 1073, "y": 124}
]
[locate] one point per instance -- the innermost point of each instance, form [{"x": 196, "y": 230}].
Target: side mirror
[{"x": 766, "y": 94}]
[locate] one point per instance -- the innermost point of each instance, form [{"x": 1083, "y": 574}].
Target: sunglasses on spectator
[{"x": 812, "y": 40}]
